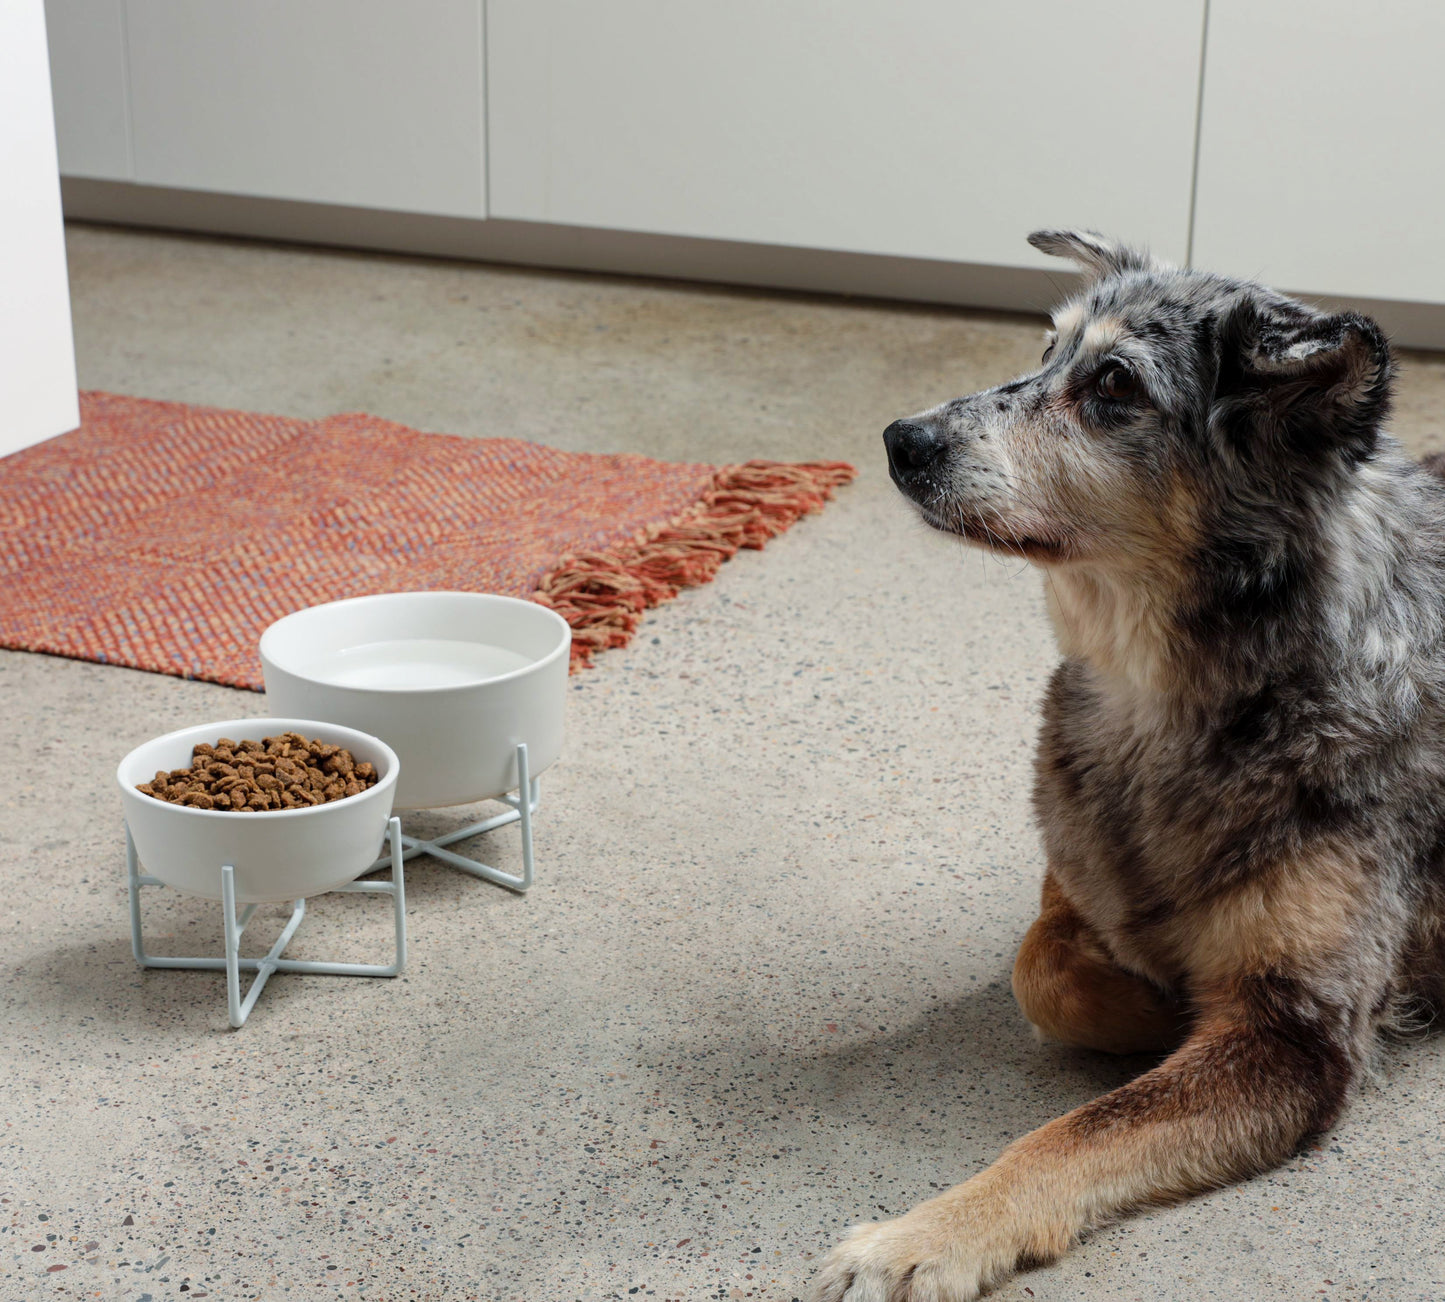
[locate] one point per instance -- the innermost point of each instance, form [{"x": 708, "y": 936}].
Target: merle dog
[{"x": 1241, "y": 774}]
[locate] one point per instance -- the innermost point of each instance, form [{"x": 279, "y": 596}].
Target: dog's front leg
[{"x": 1263, "y": 1068}]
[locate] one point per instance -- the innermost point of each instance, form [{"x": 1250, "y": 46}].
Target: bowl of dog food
[
  {"x": 295, "y": 806},
  {"x": 453, "y": 681}
]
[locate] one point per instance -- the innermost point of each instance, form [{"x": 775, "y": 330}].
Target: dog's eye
[
  {"x": 1116, "y": 383},
  {"x": 1048, "y": 352}
]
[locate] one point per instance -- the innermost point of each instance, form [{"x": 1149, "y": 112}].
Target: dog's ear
[
  {"x": 1093, "y": 252},
  {"x": 1319, "y": 376}
]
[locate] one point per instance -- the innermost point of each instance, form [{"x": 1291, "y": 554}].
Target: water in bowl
[{"x": 409, "y": 663}]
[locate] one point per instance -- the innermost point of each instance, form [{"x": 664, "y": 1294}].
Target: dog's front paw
[{"x": 927, "y": 1256}]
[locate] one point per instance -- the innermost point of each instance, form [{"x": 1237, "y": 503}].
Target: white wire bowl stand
[
  {"x": 239, "y": 1007},
  {"x": 277, "y": 855},
  {"x": 521, "y": 806}
]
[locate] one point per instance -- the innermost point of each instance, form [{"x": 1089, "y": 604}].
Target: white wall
[
  {"x": 37, "y": 356},
  {"x": 88, "y": 79},
  {"x": 911, "y": 128},
  {"x": 900, "y": 148},
  {"x": 374, "y": 103},
  {"x": 1321, "y": 165}
]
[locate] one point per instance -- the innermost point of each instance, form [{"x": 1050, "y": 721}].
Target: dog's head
[
  {"x": 1161, "y": 394},
  {"x": 1179, "y": 424}
]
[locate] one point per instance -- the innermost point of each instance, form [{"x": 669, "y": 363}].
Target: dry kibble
[{"x": 248, "y": 777}]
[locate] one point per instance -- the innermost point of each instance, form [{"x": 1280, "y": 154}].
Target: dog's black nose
[{"x": 912, "y": 450}]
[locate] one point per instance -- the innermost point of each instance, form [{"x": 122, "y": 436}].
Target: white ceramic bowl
[
  {"x": 282, "y": 854},
  {"x": 452, "y": 681}
]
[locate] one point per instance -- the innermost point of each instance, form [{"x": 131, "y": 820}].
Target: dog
[{"x": 1240, "y": 779}]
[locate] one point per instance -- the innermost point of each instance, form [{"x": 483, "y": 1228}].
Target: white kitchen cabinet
[
  {"x": 923, "y": 128},
  {"x": 1321, "y": 159},
  {"x": 370, "y": 103},
  {"x": 87, "y": 71},
  {"x": 37, "y": 356},
  {"x": 906, "y": 147}
]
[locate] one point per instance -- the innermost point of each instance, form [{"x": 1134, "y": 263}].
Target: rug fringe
[{"x": 602, "y": 595}]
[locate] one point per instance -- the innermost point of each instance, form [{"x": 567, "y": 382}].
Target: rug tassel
[{"x": 603, "y": 595}]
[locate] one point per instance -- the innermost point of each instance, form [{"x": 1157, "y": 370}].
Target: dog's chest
[{"x": 1134, "y": 817}]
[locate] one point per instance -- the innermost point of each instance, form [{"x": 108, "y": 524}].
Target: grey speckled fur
[
  {"x": 1293, "y": 680},
  {"x": 1241, "y": 773}
]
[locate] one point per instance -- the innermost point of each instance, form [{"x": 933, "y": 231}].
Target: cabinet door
[
  {"x": 87, "y": 74},
  {"x": 37, "y": 358},
  {"x": 372, "y": 103},
  {"x": 926, "y": 128},
  {"x": 1321, "y": 165}
]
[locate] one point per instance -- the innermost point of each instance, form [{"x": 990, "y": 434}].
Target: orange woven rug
[{"x": 167, "y": 537}]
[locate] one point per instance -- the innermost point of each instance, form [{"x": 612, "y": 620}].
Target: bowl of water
[{"x": 451, "y": 681}]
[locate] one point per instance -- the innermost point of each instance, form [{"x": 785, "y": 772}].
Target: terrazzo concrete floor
[{"x": 760, "y": 990}]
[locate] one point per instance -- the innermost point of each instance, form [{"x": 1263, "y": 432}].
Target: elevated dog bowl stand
[
  {"x": 233, "y": 924},
  {"x": 523, "y": 805}
]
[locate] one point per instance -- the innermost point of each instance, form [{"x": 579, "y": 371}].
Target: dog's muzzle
[{"x": 914, "y": 453}]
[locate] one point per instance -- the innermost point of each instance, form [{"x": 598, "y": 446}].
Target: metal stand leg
[
  {"x": 523, "y": 805},
  {"x": 232, "y": 925},
  {"x": 134, "y": 881},
  {"x": 238, "y": 1008}
]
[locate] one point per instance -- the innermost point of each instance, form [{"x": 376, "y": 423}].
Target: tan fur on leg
[
  {"x": 1234, "y": 1099},
  {"x": 1072, "y": 990}
]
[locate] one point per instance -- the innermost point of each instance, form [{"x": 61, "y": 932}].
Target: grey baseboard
[
  {"x": 580, "y": 248},
  {"x": 634, "y": 253}
]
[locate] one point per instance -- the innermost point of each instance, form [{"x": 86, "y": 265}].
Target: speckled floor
[{"x": 760, "y": 990}]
